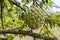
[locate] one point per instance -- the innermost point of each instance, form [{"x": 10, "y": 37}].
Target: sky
[
  {"x": 57, "y": 2},
  {"x": 54, "y": 9}
]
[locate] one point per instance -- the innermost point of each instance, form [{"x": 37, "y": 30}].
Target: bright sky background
[
  {"x": 57, "y": 2},
  {"x": 54, "y": 9}
]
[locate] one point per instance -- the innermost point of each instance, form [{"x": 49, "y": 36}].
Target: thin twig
[{"x": 18, "y": 5}]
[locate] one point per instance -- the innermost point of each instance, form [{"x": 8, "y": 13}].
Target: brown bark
[
  {"x": 34, "y": 2},
  {"x": 16, "y": 31}
]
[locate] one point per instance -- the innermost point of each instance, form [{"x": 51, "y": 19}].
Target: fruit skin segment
[{"x": 33, "y": 18}]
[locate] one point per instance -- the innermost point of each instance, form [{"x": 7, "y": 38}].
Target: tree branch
[
  {"x": 3, "y": 39},
  {"x": 16, "y": 31},
  {"x": 18, "y": 5},
  {"x": 2, "y": 14}
]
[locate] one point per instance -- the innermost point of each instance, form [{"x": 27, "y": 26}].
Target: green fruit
[{"x": 33, "y": 18}]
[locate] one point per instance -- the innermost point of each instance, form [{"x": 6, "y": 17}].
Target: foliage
[{"x": 14, "y": 16}]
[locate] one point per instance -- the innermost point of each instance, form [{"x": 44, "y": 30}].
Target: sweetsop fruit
[{"x": 33, "y": 18}]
